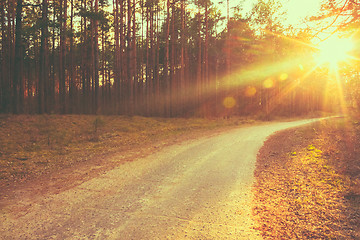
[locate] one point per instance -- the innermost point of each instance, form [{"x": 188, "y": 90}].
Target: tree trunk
[
  {"x": 133, "y": 61},
  {"x": 72, "y": 103},
  {"x": 103, "y": 74},
  {"x": 199, "y": 64},
  {"x": 166, "y": 63},
  {"x": 4, "y": 63},
  {"x": 117, "y": 56},
  {"x": 157, "y": 64},
  {"x": 17, "y": 80},
  {"x": 147, "y": 63},
  {"x": 206, "y": 47},
  {"x": 51, "y": 89},
  {"x": 43, "y": 65},
  {"x": 172, "y": 61},
  {"x": 62, "y": 55},
  {"x": 182, "y": 58},
  {"x": 206, "y": 60},
  {"x": 228, "y": 50},
  {"x": 157, "y": 67},
  {"x": 96, "y": 60},
  {"x": 122, "y": 62}
]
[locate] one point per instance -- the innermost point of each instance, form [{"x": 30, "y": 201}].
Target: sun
[{"x": 334, "y": 50}]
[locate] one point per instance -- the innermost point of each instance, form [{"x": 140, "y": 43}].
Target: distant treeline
[{"x": 152, "y": 58}]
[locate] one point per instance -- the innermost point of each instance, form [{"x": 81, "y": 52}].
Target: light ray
[
  {"x": 334, "y": 51},
  {"x": 340, "y": 92},
  {"x": 288, "y": 90}
]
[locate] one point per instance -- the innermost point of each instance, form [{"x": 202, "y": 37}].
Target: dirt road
[{"x": 199, "y": 189}]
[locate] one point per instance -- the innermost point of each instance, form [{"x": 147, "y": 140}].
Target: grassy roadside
[
  {"x": 33, "y": 145},
  {"x": 308, "y": 182}
]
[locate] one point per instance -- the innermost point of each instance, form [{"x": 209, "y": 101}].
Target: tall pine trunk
[
  {"x": 133, "y": 60},
  {"x": 72, "y": 102},
  {"x": 199, "y": 64},
  {"x": 182, "y": 59},
  {"x": 62, "y": 56},
  {"x": 172, "y": 62},
  {"x": 96, "y": 60},
  {"x": 206, "y": 61},
  {"x": 117, "y": 57},
  {"x": 43, "y": 105},
  {"x": 166, "y": 63},
  {"x": 17, "y": 74},
  {"x": 85, "y": 78},
  {"x": 51, "y": 90},
  {"x": 123, "y": 70},
  {"x": 4, "y": 63}
]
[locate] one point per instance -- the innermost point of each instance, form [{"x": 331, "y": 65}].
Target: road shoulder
[{"x": 303, "y": 188}]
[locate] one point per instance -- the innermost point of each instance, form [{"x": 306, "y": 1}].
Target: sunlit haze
[
  {"x": 295, "y": 10},
  {"x": 334, "y": 50}
]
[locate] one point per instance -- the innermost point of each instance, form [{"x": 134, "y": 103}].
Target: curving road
[{"x": 199, "y": 189}]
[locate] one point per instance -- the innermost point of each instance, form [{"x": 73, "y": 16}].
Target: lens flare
[
  {"x": 268, "y": 83},
  {"x": 250, "y": 91},
  {"x": 283, "y": 76},
  {"x": 229, "y": 102}
]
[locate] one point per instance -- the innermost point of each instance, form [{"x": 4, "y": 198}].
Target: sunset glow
[{"x": 334, "y": 50}]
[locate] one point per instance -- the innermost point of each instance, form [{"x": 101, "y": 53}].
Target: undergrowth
[{"x": 31, "y": 145}]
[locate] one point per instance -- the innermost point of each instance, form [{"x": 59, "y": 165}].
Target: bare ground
[{"x": 308, "y": 183}]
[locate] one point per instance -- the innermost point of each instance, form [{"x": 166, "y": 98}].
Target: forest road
[{"x": 199, "y": 189}]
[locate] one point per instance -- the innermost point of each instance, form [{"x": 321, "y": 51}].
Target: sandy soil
[{"x": 195, "y": 189}]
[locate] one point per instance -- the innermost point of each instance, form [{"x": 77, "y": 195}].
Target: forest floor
[
  {"x": 308, "y": 178},
  {"x": 32, "y": 146},
  {"x": 308, "y": 182}
]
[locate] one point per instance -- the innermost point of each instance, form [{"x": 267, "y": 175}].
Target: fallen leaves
[{"x": 301, "y": 192}]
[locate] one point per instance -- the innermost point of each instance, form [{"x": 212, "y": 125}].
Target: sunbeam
[{"x": 333, "y": 51}]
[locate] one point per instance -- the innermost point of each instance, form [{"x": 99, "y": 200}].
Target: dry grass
[
  {"x": 33, "y": 145},
  {"x": 308, "y": 183}
]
